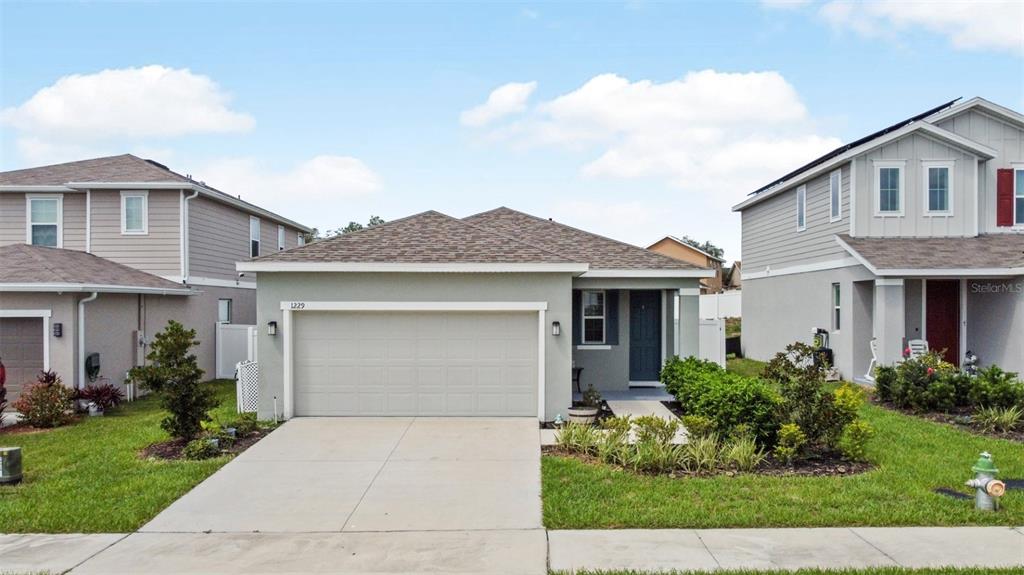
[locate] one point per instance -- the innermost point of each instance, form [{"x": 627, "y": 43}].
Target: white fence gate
[
  {"x": 235, "y": 343},
  {"x": 721, "y": 305},
  {"x": 712, "y": 340},
  {"x": 247, "y": 387}
]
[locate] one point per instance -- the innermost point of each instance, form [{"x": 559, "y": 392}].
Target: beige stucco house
[
  {"x": 97, "y": 255},
  {"x": 674, "y": 247}
]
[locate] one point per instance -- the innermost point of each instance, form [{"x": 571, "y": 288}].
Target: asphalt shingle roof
[
  {"x": 23, "y": 264},
  {"x": 982, "y": 252},
  {"x": 123, "y": 168},
  {"x": 598, "y": 251},
  {"x": 429, "y": 237}
]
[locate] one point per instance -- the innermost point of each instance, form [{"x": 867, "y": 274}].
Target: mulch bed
[
  {"x": 171, "y": 449},
  {"x": 959, "y": 419},
  {"x": 24, "y": 428},
  {"x": 817, "y": 466}
]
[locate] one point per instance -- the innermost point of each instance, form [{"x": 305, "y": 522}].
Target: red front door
[{"x": 942, "y": 318}]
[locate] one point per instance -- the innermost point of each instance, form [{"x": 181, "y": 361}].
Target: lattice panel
[{"x": 248, "y": 386}]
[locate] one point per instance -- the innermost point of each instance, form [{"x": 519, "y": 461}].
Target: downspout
[
  {"x": 81, "y": 337},
  {"x": 184, "y": 234},
  {"x": 88, "y": 221}
]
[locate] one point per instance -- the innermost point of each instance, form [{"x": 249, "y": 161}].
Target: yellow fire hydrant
[{"x": 987, "y": 488}]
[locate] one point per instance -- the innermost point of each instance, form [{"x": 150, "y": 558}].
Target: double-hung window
[
  {"x": 1018, "y": 197},
  {"x": 280, "y": 238},
  {"x": 889, "y": 188},
  {"x": 593, "y": 316},
  {"x": 134, "y": 213},
  {"x": 44, "y": 214},
  {"x": 938, "y": 188},
  {"x": 254, "y": 236},
  {"x": 835, "y": 195},
  {"x": 801, "y": 208},
  {"x": 836, "y": 301},
  {"x": 300, "y": 239}
]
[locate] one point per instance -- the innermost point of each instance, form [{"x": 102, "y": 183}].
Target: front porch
[
  {"x": 623, "y": 332},
  {"x": 953, "y": 315}
]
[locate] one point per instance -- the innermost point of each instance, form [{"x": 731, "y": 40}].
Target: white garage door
[{"x": 415, "y": 363}]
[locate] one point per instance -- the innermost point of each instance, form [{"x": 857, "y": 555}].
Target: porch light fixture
[
  {"x": 58, "y": 329},
  {"x": 556, "y": 328},
  {"x": 271, "y": 328}
]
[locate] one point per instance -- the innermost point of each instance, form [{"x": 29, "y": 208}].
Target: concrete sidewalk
[{"x": 657, "y": 550}]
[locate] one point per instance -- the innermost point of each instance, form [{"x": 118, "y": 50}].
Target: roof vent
[{"x": 158, "y": 164}]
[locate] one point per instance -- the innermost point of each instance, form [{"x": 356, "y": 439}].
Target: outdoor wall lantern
[
  {"x": 271, "y": 328},
  {"x": 556, "y": 328},
  {"x": 58, "y": 329}
]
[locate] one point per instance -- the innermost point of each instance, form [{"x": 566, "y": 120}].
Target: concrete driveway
[
  {"x": 372, "y": 474},
  {"x": 356, "y": 495}
]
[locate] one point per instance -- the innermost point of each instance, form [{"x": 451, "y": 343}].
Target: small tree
[
  {"x": 706, "y": 247},
  {"x": 175, "y": 375}
]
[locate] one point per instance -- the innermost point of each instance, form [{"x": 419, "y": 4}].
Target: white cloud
[
  {"x": 112, "y": 108},
  {"x": 508, "y": 99},
  {"x": 317, "y": 191},
  {"x": 969, "y": 25}
]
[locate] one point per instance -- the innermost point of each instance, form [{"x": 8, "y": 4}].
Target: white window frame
[
  {"x": 259, "y": 244},
  {"x": 835, "y": 196},
  {"x": 1018, "y": 172},
  {"x": 60, "y": 216},
  {"x": 230, "y": 309},
  {"x": 280, "y": 237},
  {"x": 836, "y": 295},
  {"x": 144, "y": 194},
  {"x": 300, "y": 239},
  {"x": 584, "y": 317},
  {"x": 927, "y": 165},
  {"x": 902, "y": 166},
  {"x": 801, "y": 208}
]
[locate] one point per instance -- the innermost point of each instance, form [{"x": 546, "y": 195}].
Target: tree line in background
[{"x": 351, "y": 227}]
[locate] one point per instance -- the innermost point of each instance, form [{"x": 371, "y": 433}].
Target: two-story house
[
  {"x": 97, "y": 255},
  {"x": 915, "y": 232},
  {"x": 676, "y": 248}
]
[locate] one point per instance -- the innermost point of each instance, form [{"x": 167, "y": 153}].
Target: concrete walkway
[{"x": 786, "y": 549}]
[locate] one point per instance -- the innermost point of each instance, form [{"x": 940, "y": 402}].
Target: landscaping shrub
[
  {"x": 46, "y": 403},
  {"x": 999, "y": 419},
  {"x": 743, "y": 454},
  {"x": 201, "y": 448},
  {"x": 994, "y": 387},
  {"x": 796, "y": 362},
  {"x": 650, "y": 455},
  {"x": 244, "y": 423},
  {"x": 925, "y": 383},
  {"x": 613, "y": 441},
  {"x": 653, "y": 428},
  {"x": 885, "y": 380},
  {"x": 697, "y": 425},
  {"x": 791, "y": 440},
  {"x": 106, "y": 396},
  {"x": 174, "y": 374},
  {"x": 578, "y": 437},
  {"x": 854, "y": 440},
  {"x": 701, "y": 454},
  {"x": 727, "y": 399}
]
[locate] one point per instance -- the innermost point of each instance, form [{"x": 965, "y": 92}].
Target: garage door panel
[{"x": 423, "y": 363}]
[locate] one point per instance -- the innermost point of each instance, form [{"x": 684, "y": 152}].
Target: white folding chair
[
  {"x": 870, "y": 375},
  {"x": 918, "y": 347}
]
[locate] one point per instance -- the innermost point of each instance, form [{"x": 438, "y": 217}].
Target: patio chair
[
  {"x": 918, "y": 347},
  {"x": 870, "y": 375}
]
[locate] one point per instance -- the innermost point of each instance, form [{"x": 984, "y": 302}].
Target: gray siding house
[
  {"x": 109, "y": 249},
  {"x": 491, "y": 315},
  {"x": 913, "y": 232}
]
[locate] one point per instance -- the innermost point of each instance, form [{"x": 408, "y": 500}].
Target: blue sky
[{"x": 631, "y": 119}]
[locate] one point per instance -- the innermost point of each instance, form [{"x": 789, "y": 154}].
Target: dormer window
[{"x": 889, "y": 188}]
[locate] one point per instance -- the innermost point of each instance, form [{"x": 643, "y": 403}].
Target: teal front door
[{"x": 644, "y": 335}]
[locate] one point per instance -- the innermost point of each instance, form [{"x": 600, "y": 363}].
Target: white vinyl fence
[
  {"x": 712, "y": 340},
  {"x": 721, "y": 305},
  {"x": 247, "y": 387},
  {"x": 235, "y": 343}
]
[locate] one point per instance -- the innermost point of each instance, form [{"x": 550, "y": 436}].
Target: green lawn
[
  {"x": 86, "y": 477},
  {"x": 869, "y": 571},
  {"x": 913, "y": 456}
]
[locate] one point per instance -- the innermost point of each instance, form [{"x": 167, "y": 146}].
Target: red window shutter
[{"x": 1004, "y": 197}]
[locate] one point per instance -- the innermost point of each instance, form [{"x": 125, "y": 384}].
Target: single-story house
[{"x": 491, "y": 315}]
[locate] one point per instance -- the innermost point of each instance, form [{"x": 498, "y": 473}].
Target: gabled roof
[
  {"x": 430, "y": 241},
  {"x": 600, "y": 252},
  {"x": 985, "y": 255},
  {"x": 125, "y": 171},
  {"x": 990, "y": 108},
  {"x": 687, "y": 245},
  {"x": 42, "y": 269},
  {"x": 920, "y": 123}
]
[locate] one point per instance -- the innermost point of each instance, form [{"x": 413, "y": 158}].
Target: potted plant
[{"x": 586, "y": 410}]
